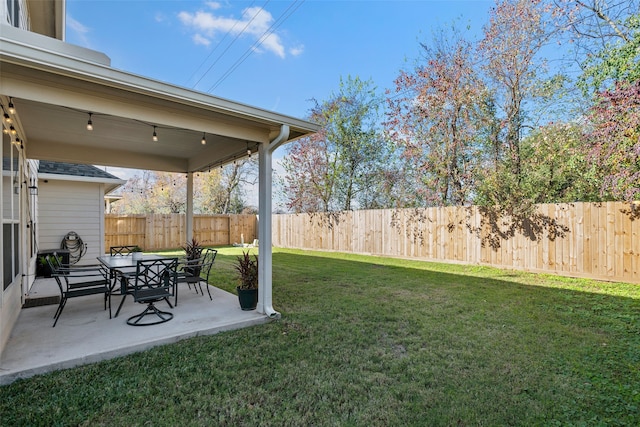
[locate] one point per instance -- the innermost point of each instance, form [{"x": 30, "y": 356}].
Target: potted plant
[
  {"x": 192, "y": 249},
  {"x": 42, "y": 269},
  {"x": 247, "y": 267},
  {"x": 193, "y": 252}
]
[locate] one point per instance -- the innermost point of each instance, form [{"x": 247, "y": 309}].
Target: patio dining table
[
  {"x": 125, "y": 264},
  {"x": 118, "y": 262}
]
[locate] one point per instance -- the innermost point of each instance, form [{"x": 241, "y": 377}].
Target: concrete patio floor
[{"x": 85, "y": 334}]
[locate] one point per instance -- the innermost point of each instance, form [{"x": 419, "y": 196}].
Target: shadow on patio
[{"x": 85, "y": 334}]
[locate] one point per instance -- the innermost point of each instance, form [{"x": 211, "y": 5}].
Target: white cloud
[
  {"x": 198, "y": 39},
  {"x": 254, "y": 23},
  {"x": 79, "y": 29},
  {"x": 213, "y": 5},
  {"x": 295, "y": 51}
]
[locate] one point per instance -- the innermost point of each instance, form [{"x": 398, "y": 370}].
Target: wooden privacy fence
[
  {"x": 159, "y": 231},
  {"x": 596, "y": 240}
]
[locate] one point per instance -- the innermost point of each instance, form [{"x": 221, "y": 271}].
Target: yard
[{"x": 376, "y": 342}]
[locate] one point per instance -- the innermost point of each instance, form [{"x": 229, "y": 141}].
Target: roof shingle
[{"x": 62, "y": 168}]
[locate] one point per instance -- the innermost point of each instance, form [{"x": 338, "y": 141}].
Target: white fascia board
[
  {"x": 42, "y": 45},
  {"x": 76, "y": 178}
]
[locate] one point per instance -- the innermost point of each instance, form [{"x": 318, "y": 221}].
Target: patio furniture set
[{"x": 149, "y": 279}]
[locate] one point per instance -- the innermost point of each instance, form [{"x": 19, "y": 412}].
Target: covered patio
[
  {"x": 69, "y": 105},
  {"x": 85, "y": 334}
]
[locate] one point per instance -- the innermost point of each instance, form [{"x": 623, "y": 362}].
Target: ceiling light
[
  {"x": 204, "y": 139},
  {"x": 90, "y": 123},
  {"x": 12, "y": 109},
  {"x": 12, "y": 130},
  {"x": 7, "y": 118},
  {"x": 155, "y": 135}
]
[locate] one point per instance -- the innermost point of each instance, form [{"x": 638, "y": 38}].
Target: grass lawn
[{"x": 367, "y": 341}]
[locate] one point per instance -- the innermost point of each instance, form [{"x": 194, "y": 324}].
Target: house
[
  {"x": 71, "y": 200},
  {"x": 50, "y": 90}
]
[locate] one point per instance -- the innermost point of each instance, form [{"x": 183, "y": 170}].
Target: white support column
[
  {"x": 265, "y": 300},
  {"x": 264, "y": 228},
  {"x": 189, "y": 213}
]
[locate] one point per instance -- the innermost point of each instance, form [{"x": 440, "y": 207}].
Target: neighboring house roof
[
  {"x": 62, "y": 168},
  {"x": 77, "y": 172}
]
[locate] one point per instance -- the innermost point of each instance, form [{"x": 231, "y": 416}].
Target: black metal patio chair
[
  {"x": 122, "y": 250},
  {"x": 195, "y": 272},
  {"x": 116, "y": 276},
  {"x": 155, "y": 280},
  {"x": 77, "y": 282}
]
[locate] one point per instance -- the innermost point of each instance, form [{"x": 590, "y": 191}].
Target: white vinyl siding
[{"x": 65, "y": 206}]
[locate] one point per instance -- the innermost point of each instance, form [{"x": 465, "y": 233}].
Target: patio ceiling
[{"x": 54, "y": 86}]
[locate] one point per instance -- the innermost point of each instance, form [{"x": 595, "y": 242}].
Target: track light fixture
[
  {"x": 204, "y": 139},
  {"x": 90, "y": 123},
  {"x": 12, "y": 109},
  {"x": 155, "y": 135}
]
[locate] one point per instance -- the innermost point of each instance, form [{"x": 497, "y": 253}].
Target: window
[
  {"x": 13, "y": 12},
  {"x": 10, "y": 212}
]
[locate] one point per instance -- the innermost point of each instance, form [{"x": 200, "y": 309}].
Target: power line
[
  {"x": 216, "y": 48},
  {"x": 232, "y": 42},
  {"x": 258, "y": 42}
]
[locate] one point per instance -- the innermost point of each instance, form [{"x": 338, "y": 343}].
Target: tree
[
  {"x": 435, "y": 115},
  {"x": 606, "y": 40},
  {"x": 310, "y": 173},
  {"x": 511, "y": 48},
  {"x": 170, "y": 192},
  {"x": 556, "y": 167},
  {"x": 389, "y": 185},
  {"x": 153, "y": 192},
  {"x": 607, "y": 44},
  {"x": 234, "y": 178},
  {"x": 615, "y": 140},
  {"x": 220, "y": 190},
  {"x": 216, "y": 192},
  {"x": 522, "y": 93},
  {"x": 330, "y": 170}
]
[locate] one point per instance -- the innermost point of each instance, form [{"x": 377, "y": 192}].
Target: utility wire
[
  {"x": 216, "y": 48},
  {"x": 258, "y": 42},
  {"x": 232, "y": 42}
]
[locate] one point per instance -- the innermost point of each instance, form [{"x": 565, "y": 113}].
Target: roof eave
[{"x": 57, "y": 57}]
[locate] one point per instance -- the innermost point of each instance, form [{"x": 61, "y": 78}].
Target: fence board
[
  {"x": 168, "y": 231},
  {"x": 598, "y": 240}
]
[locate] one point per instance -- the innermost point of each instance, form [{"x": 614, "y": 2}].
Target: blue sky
[
  {"x": 315, "y": 42},
  {"x": 214, "y": 46}
]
